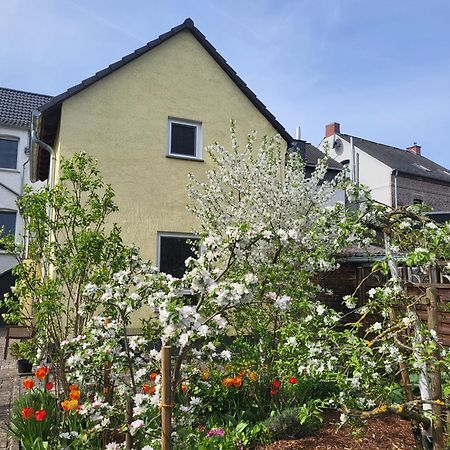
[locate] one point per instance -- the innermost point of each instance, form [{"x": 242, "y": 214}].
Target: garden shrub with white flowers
[{"x": 252, "y": 342}]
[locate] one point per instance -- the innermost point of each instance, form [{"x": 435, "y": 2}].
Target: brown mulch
[{"x": 384, "y": 432}]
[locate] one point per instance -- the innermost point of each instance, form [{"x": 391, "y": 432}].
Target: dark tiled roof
[
  {"x": 369, "y": 252},
  {"x": 313, "y": 154},
  {"x": 401, "y": 160},
  {"x": 187, "y": 25},
  {"x": 16, "y": 106}
]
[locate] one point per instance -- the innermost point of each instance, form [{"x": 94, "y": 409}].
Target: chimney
[
  {"x": 414, "y": 149},
  {"x": 332, "y": 128}
]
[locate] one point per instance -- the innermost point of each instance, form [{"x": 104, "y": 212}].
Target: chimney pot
[
  {"x": 416, "y": 149},
  {"x": 332, "y": 128}
]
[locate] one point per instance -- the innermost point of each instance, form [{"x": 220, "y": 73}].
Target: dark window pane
[
  {"x": 8, "y": 154},
  {"x": 183, "y": 139},
  {"x": 7, "y": 223},
  {"x": 173, "y": 253}
]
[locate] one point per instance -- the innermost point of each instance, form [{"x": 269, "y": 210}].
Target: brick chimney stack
[
  {"x": 332, "y": 128},
  {"x": 414, "y": 149}
]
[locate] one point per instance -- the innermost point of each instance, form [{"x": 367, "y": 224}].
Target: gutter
[{"x": 395, "y": 189}]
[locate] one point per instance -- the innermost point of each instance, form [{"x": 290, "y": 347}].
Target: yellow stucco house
[{"x": 147, "y": 118}]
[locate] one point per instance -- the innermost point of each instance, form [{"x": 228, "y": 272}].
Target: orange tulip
[
  {"x": 65, "y": 405},
  {"x": 253, "y": 376},
  {"x": 242, "y": 373},
  {"x": 228, "y": 382},
  {"x": 74, "y": 395},
  {"x": 41, "y": 372},
  {"x": 146, "y": 388},
  {"x": 184, "y": 388},
  {"x": 153, "y": 376},
  {"x": 73, "y": 387},
  {"x": 70, "y": 405},
  {"x": 237, "y": 382},
  {"x": 73, "y": 404},
  {"x": 28, "y": 383}
]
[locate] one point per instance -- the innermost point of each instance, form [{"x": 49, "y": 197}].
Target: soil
[{"x": 384, "y": 432}]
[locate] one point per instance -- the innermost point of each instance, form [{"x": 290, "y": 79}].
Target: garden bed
[{"x": 381, "y": 433}]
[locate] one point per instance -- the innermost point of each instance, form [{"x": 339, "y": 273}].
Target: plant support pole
[
  {"x": 436, "y": 382},
  {"x": 166, "y": 398}
]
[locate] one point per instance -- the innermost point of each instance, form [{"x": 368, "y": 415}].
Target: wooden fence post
[
  {"x": 436, "y": 382},
  {"x": 166, "y": 398}
]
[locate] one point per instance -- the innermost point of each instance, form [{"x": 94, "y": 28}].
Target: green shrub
[{"x": 288, "y": 425}]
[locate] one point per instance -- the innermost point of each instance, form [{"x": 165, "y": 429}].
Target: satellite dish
[{"x": 338, "y": 147}]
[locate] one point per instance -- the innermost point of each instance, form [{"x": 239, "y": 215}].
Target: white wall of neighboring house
[
  {"x": 367, "y": 170},
  {"x": 11, "y": 185}
]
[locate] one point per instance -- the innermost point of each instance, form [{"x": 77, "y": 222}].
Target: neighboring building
[
  {"x": 396, "y": 177},
  {"x": 15, "y": 117},
  {"x": 146, "y": 119}
]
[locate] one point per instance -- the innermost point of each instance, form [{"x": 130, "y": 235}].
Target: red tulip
[
  {"x": 41, "y": 372},
  {"x": 276, "y": 384},
  {"x": 49, "y": 386},
  {"x": 293, "y": 380},
  {"x": 27, "y": 413},
  {"x": 273, "y": 391},
  {"x": 40, "y": 415},
  {"x": 28, "y": 383}
]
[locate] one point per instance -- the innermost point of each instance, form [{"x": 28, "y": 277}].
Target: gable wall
[
  {"x": 122, "y": 120},
  {"x": 372, "y": 173}
]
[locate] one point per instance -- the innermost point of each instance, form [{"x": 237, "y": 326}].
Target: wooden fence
[{"x": 443, "y": 294}]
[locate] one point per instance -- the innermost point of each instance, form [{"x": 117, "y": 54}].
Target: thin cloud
[{"x": 104, "y": 21}]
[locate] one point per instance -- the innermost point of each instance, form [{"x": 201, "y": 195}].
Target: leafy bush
[{"x": 290, "y": 425}]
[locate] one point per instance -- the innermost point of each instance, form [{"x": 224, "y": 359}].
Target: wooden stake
[
  {"x": 166, "y": 398},
  {"x": 128, "y": 437},
  {"x": 436, "y": 382}
]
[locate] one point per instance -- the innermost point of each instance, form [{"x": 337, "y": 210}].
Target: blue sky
[{"x": 380, "y": 68}]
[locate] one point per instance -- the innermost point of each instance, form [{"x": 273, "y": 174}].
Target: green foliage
[
  {"x": 72, "y": 243},
  {"x": 293, "y": 423},
  {"x": 24, "y": 350}
]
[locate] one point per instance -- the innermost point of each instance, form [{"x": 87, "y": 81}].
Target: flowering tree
[
  {"x": 69, "y": 245},
  {"x": 266, "y": 231},
  {"x": 411, "y": 241},
  {"x": 251, "y": 338}
]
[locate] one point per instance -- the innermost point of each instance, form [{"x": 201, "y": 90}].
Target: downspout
[
  {"x": 27, "y": 233},
  {"x": 353, "y": 160},
  {"x": 36, "y": 142},
  {"x": 395, "y": 189}
]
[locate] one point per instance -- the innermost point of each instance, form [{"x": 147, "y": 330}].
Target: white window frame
[
  {"x": 198, "y": 140},
  {"x": 175, "y": 234},
  {"x": 7, "y": 137}
]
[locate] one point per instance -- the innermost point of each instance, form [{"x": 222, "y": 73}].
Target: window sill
[
  {"x": 5, "y": 169},
  {"x": 186, "y": 158}
]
